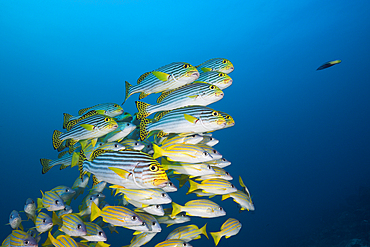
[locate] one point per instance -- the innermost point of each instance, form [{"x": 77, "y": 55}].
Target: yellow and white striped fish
[
  {"x": 219, "y": 79},
  {"x": 216, "y": 64},
  {"x": 94, "y": 233},
  {"x": 67, "y": 210},
  {"x": 171, "y": 220},
  {"x": 30, "y": 208},
  {"x": 209, "y": 141},
  {"x": 187, "y": 153},
  {"x": 150, "y": 221},
  {"x": 221, "y": 163},
  {"x": 141, "y": 239},
  {"x": 180, "y": 139},
  {"x": 128, "y": 168},
  {"x": 191, "y": 94},
  {"x": 64, "y": 192},
  {"x": 132, "y": 144},
  {"x": 62, "y": 241},
  {"x": 191, "y": 169},
  {"x": 156, "y": 209},
  {"x": 230, "y": 228},
  {"x": 215, "y": 185},
  {"x": 173, "y": 243},
  {"x": 119, "y": 216},
  {"x": 72, "y": 225},
  {"x": 51, "y": 201},
  {"x": 108, "y": 109},
  {"x": 144, "y": 196},
  {"x": 20, "y": 238},
  {"x": 203, "y": 208},
  {"x": 90, "y": 128},
  {"x": 188, "y": 233},
  {"x": 219, "y": 173},
  {"x": 229, "y": 120},
  {"x": 165, "y": 78},
  {"x": 244, "y": 200},
  {"x": 43, "y": 222}
]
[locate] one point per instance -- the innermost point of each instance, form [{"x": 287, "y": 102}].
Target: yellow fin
[
  {"x": 206, "y": 69},
  {"x": 193, "y": 186},
  {"x": 190, "y": 118},
  {"x": 161, "y": 75},
  {"x": 100, "y": 112},
  {"x": 75, "y": 157},
  {"x": 137, "y": 233},
  {"x": 87, "y": 126},
  {"x": 176, "y": 208},
  {"x": 142, "y": 77},
  {"x": 95, "y": 212},
  {"x": 203, "y": 230},
  {"x": 143, "y": 95},
  {"x": 216, "y": 237},
  {"x": 102, "y": 244},
  {"x": 120, "y": 172},
  {"x": 93, "y": 142},
  {"x": 158, "y": 151}
]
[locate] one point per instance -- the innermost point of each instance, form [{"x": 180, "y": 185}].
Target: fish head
[
  {"x": 169, "y": 187},
  {"x": 154, "y": 210},
  {"x": 43, "y": 222},
  {"x": 225, "y": 66},
  {"x": 151, "y": 175},
  {"x": 189, "y": 70},
  {"x": 20, "y": 238},
  {"x": 115, "y": 110},
  {"x": 225, "y": 80},
  {"x": 109, "y": 124}
]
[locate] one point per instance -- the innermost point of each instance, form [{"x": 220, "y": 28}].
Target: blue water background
[{"x": 301, "y": 139}]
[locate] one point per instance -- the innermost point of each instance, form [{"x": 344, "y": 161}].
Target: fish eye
[
  {"x": 57, "y": 202},
  {"x": 212, "y": 87},
  {"x": 133, "y": 217},
  {"x": 136, "y": 143},
  {"x": 100, "y": 233},
  {"x": 170, "y": 184},
  {"x": 227, "y": 173},
  {"x": 116, "y": 105},
  {"x": 208, "y": 167},
  {"x": 224, "y": 61},
  {"x": 143, "y": 224},
  {"x": 100, "y": 144},
  {"x": 223, "y": 159},
  {"x": 65, "y": 209},
  {"x": 153, "y": 223},
  {"x": 11, "y": 216},
  {"x": 148, "y": 146},
  {"x": 157, "y": 206},
  {"x": 116, "y": 145},
  {"x": 153, "y": 168},
  {"x": 67, "y": 190},
  {"x": 106, "y": 119},
  {"x": 43, "y": 220},
  {"x": 163, "y": 195},
  {"x": 214, "y": 113},
  {"x": 205, "y": 153},
  {"x": 232, "y": 186},
  {"x": 184, "y": 244},
  {"x": 220, "y": 208},
  {"x": 79, "y": 226},
  {"x": 214, "y": 151},
  {"x": 91, "y": 198},
  {"x": 185, "y": 66},
  {"x": 26, "y": 242}
]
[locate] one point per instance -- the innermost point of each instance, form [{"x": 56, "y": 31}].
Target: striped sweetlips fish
[
  {"x": 216, "y": 78},
  {"x": 20, "y": 238},
  {"x": 165, "y": 78},
  {"x": 190, "y": 94},
  {"x": 90, "y": 128},
  {"x": 189, "y": 119},
  {"x": 229, "y": 120},
  {"x": 216, "y": 64},
  {"x": 128, "y": 168}
]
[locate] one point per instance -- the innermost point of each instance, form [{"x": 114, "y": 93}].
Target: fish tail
[
  {"x": 40, "y": 205},
  {"x": 50, "y": 239},
  {"x": 142, "y": 108},
  {"x": 63, "y": 166},
  {"x": 45, "y": 165},
  {"x": 144, "y": 128},
  {"x": 127, "y": 92},
  {"x": 61, "y": 147},
  {"x": 95, "y": 212},
  {"x": 182, "y": 180},
  {"x": 56, "y": 139},
  {"x": 216, "y": 237},
  {"x": 158, "y": 151},
  {"x": 203, "y": 230},
  {"x": 165, "y": 164},
  {"x": 61, "y": 154},
  {"x": 66, "y": 118},
  {"x": 81, "y": 159},
  {"x": 176, "y": 208},
  {"x": 56, "y": 219},
  {"x": 75, "y": 159},
  {"x": 224, "y": 197},
  {"x": 193, "y": 186}
]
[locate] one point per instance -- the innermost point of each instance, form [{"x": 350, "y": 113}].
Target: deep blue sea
[{"x": 301, "y": 140}]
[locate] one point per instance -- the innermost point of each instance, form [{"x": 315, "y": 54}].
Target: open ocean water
[{"x": 301, "y": 139}]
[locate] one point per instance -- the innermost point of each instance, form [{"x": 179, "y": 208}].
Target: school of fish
[{"x": 133, "y": 157}]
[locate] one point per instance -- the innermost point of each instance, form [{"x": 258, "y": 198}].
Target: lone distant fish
[{"x": 329, "y": 64}]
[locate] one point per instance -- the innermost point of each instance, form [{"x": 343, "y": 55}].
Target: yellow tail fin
[
  {"x": 203, "y": 230},
  {"x": 176, "y": 208},
  {"x": 216, "y": 237},
  {"x": 193, "y": 186},
  {"x": 95, "y": 212},
  {"x": 158, "y": 151}
]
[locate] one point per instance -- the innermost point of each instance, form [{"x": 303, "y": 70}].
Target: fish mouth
[
  {"x": 227, "y": 81},
  {"x": 219, "y": 94},
  {"x": 221, "y": 122},
  {"x": 194, "y": 74},
  {"x": 160, "y": 182}
]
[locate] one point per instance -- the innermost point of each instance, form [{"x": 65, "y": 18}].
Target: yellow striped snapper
[
  {"x": 30, "y": 208},
  {"x": 165, "y": 78},
  {"x": 20, "y": 238},
  {"x": 34, "y": 233},
  {"x": 15, "y": 220},
  {"x": 94, "y": 233},
  {"x": 244, "y": 201},
  {"x": 216, "y": 64},
  {"x": 128, "y": 168},
  {"x": 209, "y": 140},
  {"x": 73, "y": 225},
  {"x": 123, "y": 130},
  {"x": 229, "y": 120},
  {"x": 219, "y": 173},
  {"x": 219, "y": 79},
  {"x": 91, "y": 197},
  {"x": 221, "y": 163},
  {"x": 230, "y": 228},
  {"x": 151, "y": 222},
  {"x": 99, "y": 187},
  {"x": 170, "y": 187},
  {"x": 171, "y": 220},
  {"x": 215, "y": 185},
  {"x": 144, "y": 196},
  {"x": 197, "y": 169},
  {"x": 200, "y": 93},
  {"x": 64, "y": 192},
  {"x": 133, "y": 144},
  {"x": 187, "y": 153},
  {"x": 180, "y": 139},
  {"x": 62, "y": 241},
  {"x": 215, "y": 154},
  {"x": 203, "y": 208},
  {"x": 119, "y": 216},
  {"x": 43, "y": 222},
  {"x": 141, "y": 239},
  {"x": 173, "y": 243},
  {"x": 89, "y": 128},
  {"x": 51, "y": 201},
  {"x": 67, "y": 210},
  {"x": 188, "y": 233},
  {"x": 189, "y": 119},
  {"x": 85, "y": 208},
  {"x": 6, "y": 241},
  {"x": 156, "y": 209}
]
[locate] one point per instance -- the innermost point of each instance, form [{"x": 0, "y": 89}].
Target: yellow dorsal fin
[{"x": 142, "y": 77}]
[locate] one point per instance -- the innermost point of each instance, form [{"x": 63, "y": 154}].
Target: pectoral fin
[
  {"x": 161, "y": 75},
  {"x": 120, "y": 172},
  {"x": 87, "y": 126},
  {"x": 190, "y": 118}
]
